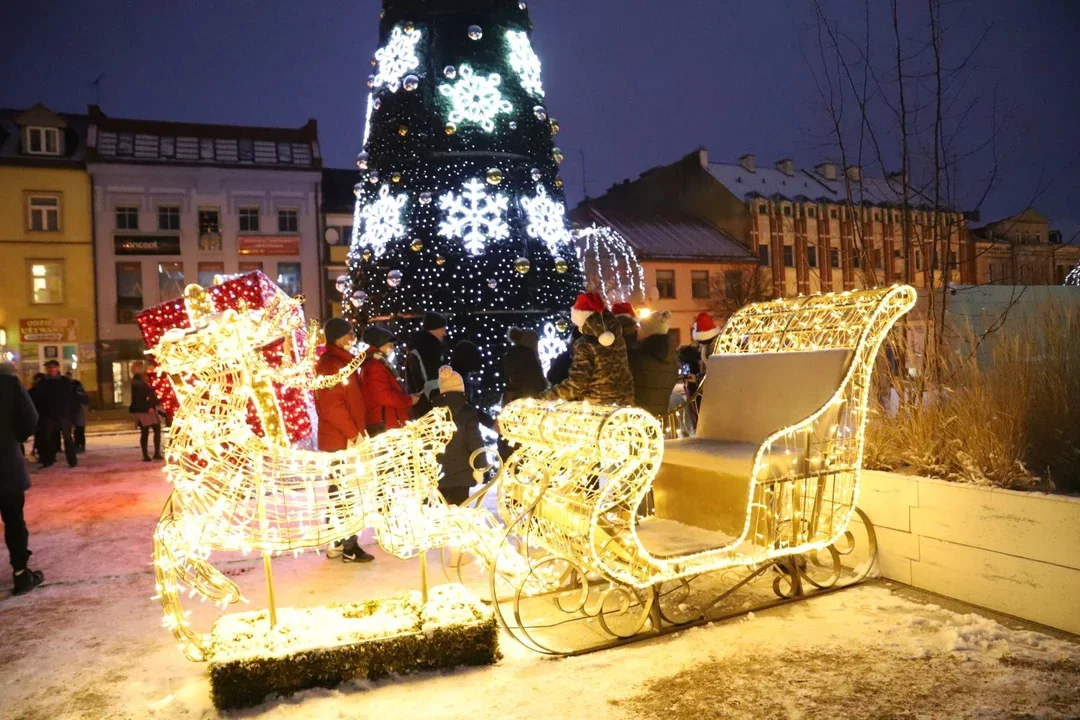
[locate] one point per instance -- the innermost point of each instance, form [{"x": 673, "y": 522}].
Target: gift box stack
[{"x": 251, "y": 291}]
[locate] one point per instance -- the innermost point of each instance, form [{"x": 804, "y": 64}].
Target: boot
[
  {"x": 353, "y": 553},
  {"x": 27, "y": 580}
]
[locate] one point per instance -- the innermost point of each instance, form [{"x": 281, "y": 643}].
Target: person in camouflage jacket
[{"x": 600, "y": 371}]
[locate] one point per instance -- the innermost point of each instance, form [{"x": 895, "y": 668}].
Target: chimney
[
  {"x": 747, "y": 161},
  {"x": 703, "y": 157},
  {"x": 896, "y": 178},
  {"x": 786, "y": 166},
  {"x": 854, "y": 173},
  {"x": 827, "y": 170}
]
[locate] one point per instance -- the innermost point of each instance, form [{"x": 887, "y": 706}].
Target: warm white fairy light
[
  {"x": 524, "y": 61},
  {"x": 396, "y": 59},
  {"x": 381, "y": 220},
  {"x": 551, "y": 346},
  {"x": 610, "y": 264},
  {"x": 475, "y": 99},
  {"x": 475, "y": 216},
  {"x": 1073, "y": 278},
  {"x": 547, "y": 220},
  {"x": 367, "y": 118},
  {"x": 234, "y": 490},
  {"x": 802, "y": 482}
]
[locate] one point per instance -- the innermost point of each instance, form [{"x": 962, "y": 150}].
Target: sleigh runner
[{"x": 632, "y": 536}]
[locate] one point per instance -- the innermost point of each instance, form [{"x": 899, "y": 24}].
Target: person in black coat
[
  {"x": 79, "y": 423},
  {"x": 18, "y": 419},
  {"x": 425, "y": 356},
  {"x": 560, "y": 366},
  {"x": 457, "y": 478},
  {"x": 521, "y": 368},
  {"x": 653, "y": 364},
  {"x": 466, "y": 360},
  {"x": 144, "y": 405},
  {"x": 57, "y": 405}
]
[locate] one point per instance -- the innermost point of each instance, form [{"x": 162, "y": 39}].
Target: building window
[
  {"x": 42, "y": 141},
  {"x": 288, "y": 278},
  {"x": 834, "y": 257},
  {"x": 245, "y": 150},
  {"x": 206, "y": 149},
  {"x": 125, "y": 144},
  {"x": 665, "y": 284},
  {"x": 952, "y": 259},
  {"x": 284, "y": 152},
  {"x": 207, "y": 272},
  {"x": 763, "y": 254},
  {"x": 209, "y": 229},
  {"x": 127, "y": 217},
  {"x": 856, "y": 260},
  {"x": 167, "y": 147},
  {"x": 733, "y": 283},
  {"x": 789, "y": 256},
  {"x": 811, "y": 212},
  {"x": 47, "y": 282},
  {"x": 249, "y": 219},
  {"x": 877, "y": 217},
  {"x": 247, "y": 266},
  {"x": 129, "y": 294},
  {"x": 699, "y": 284},
  {"x": 832, "y": 213},
  {"x": 287, "y": 221},
  {"x": 168, "y": 217},
  {"x": 918, "y": 259},
  {"x": 43, "y": 213},
  {"x": 787, "y": 211},
  {"x": 763, "y": 209},
  {"x": 811, "y": 256},
  {"x": 170, "y": 280},
  {"x": 876, "y": 253}
]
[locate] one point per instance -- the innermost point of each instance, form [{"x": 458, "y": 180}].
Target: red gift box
[{"x": 255, "y": 291}]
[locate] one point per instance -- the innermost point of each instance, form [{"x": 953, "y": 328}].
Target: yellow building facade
[{"x": 47, "y": 302}]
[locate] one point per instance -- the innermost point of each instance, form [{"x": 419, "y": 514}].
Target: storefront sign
[
  {"x": 147, "y": 244},
  {"x": 269, "y": 245},
  {"x": 58, "y": 330}
]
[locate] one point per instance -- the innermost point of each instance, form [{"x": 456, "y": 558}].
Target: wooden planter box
[
  {"x": 1010, "y": 551},
  {"x": 325, "y": 646}
]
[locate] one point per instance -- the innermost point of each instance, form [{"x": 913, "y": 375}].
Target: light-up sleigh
[{"x": 628, "y": 536}]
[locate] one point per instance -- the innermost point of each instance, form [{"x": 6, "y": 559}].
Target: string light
[
  {"x": 475, "y": 99},
  {"x": 397, "y": 59},
  {"x": 551, "y": 346},
  {"x": 474, "y": 216},
  {"x": 610, "y": 264},
  {"x": 524, "y": 61}
]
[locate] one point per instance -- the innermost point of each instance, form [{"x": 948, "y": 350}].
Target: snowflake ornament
[
  {"x": 524, "y": 61},
  {"x": 547, "y": 220},
  {"x": 550, "y": 346},
  {"x": 381, "y": 220},
  {"x": 474, "y": 216},
  {"x": 1073, "y": 278},
  {"x": 475, "y": 99},
  {"x": 397, "y": 59}
]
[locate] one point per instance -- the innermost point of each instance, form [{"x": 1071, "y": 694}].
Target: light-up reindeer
[{"x": 235, "y": 490}]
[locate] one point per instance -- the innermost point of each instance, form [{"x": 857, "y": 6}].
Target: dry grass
[{"x": 1011, "y": 421}]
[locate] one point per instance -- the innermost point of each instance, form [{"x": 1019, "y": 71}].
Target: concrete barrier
[{"x": 1014, "y": 552}]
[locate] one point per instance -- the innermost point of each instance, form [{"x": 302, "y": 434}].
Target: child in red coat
[{"x": 387, "y": 405}]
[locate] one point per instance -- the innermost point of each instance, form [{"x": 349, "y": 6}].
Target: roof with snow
[{"x": 669, "y": 236}]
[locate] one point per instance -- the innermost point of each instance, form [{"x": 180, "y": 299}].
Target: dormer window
[{"x": 43, "y": 141}]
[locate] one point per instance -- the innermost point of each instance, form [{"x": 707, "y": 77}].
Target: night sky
[{"x": 635, "y": 83}]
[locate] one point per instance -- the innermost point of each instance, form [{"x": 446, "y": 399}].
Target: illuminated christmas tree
[{"x": 460, "y": 207}]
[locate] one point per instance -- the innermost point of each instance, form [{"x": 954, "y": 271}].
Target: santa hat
[
  {"x": 585, "y": 305},
  {"x": 704, "y": 328},
  {"x": 623, "y": 308}
]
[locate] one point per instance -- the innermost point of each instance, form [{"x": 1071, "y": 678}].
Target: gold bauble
[
  {"x": 409, "y": 27},
  {"x": 450, "y": 128},
  {"x": 440, "y": 260},
  {"x": 555, "y": 127},
  {"x": 366, "y": 255},
  {"x": 416, "y": 245},
  {"x": 561, "y": 325},
  {"x": 522, "y": 265},
  {"x": 558, "y": 181},
  {"x": 396, "y": 177},
  {"x": 494, "y": 176},
  {"x": 402, "y": 130},
  {"x": 561, "y": 266}
]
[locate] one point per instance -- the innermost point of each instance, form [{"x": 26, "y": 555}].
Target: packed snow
[{"x": 90, "y": 644}]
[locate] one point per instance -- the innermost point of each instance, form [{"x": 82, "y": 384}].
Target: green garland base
[{"x": 368, "y": 640}]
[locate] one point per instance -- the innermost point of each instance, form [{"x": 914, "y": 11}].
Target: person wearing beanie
[
  {"x": 600, "y": 370},
  {"x": 653, "y": 364},
  {"x": 424, "y": 358},
  {"x": 387, "y": 406},
  {"x": 521, "y": 368},
  {"x": 457, "y": 476},
  {"x": 341, "y": 413}
]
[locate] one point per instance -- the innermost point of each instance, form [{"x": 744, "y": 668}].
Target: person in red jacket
[
  {"x": 386, "y": 404},
  {"x": 341, "y": 415}
]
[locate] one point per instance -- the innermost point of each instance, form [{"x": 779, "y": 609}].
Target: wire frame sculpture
[
  {"x": 234, "y": 490},
  {"x": 579, "y": 483}
]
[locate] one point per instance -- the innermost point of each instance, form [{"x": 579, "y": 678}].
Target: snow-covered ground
[{"x": 89, "y": 644}]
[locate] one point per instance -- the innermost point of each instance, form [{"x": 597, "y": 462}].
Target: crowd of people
[{"x": 615, "y": 357}]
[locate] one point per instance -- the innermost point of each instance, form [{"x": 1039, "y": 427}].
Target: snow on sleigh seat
[{"x": 773, "y": 470}]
